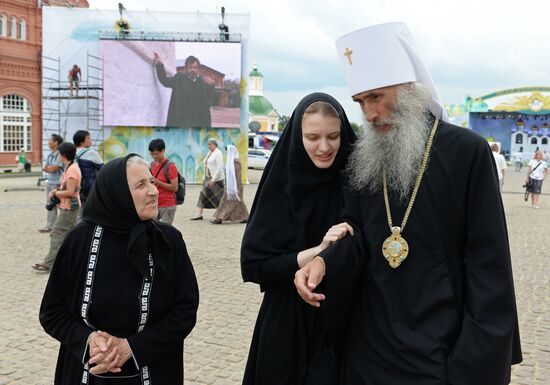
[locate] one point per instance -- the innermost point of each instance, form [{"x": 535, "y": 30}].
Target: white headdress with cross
[{"x": 385, "y": 55}]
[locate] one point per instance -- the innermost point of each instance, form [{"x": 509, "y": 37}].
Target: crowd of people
[
  {"x": 383, "y": 259},
  {"x": 70, "y": 169}
]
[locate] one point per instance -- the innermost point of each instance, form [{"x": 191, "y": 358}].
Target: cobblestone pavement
[{"x": 215, "y": 352}]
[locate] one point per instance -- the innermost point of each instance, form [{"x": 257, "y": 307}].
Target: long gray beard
[{"x": 399, "y": 151}]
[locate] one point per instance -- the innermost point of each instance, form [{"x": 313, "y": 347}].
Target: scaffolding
[
  {"x": 64, "y": 114},
  {"x": 221, "y": 37}
]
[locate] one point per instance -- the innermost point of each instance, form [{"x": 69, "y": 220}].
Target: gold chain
[{"x": 423, "y": 166}]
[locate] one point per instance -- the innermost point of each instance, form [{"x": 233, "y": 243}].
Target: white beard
[{"x": 399, "y": 150}]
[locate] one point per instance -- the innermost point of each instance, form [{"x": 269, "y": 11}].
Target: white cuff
[
  {"x": 86, "y": 347},
  {"x": 131, "y": 351}
]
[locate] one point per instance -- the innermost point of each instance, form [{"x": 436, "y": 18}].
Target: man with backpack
[
  {"x": 89, "y": 162},
  {"x": 166, "y": 179}
]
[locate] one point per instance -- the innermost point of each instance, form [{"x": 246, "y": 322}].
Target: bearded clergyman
[{"x": 421, "y": 292}]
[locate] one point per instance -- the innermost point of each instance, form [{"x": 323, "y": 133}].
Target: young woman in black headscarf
[
  {"x": 298, "y": 200},
  {"x": 122, "y": 294}
]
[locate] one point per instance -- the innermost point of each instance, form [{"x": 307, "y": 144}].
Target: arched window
[
  {"x": 13, "y": 26},
  {"x": 534, "y": 141},
  {"x": 23, "y": 29},
  {"x": 3, "y": 25},
  {"x": 544, "y": 141},
  {"x": 519, "y": 139},
  {"x": 15, "y": 124}
]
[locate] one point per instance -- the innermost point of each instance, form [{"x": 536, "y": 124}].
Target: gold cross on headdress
[{"x": 348, "y": 53}]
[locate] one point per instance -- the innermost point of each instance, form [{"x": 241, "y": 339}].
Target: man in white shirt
[
  {"x": 500, "y": 163},
  {"x": 517, "y": 160},
  {"x": 536, "y": 173}
]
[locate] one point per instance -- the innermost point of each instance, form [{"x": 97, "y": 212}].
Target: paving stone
[{"x": 216, "y": 350}]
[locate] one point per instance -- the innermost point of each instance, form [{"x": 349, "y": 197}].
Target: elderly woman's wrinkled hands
[
  {"x": 108, "y": 353},
  {"x": 102, "y": 353}
]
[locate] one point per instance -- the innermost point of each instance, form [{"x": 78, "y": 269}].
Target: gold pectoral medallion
[{"x": 395, "y": 248}]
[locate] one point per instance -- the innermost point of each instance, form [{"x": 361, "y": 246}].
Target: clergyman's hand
[{"x": 308, "y": 278}]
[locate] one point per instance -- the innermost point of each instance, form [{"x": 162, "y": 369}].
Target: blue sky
[{"x": 472, "y": 47}]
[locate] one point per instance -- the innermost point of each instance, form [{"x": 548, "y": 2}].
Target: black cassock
[
  {"x": 448, "y": 314},
  {"x": 190, "y": 101},
  {"x": 115, "y": 307},
  {"x": 295, "y": 204}
]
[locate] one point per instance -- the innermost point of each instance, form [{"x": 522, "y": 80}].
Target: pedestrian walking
[
  {"x": 53, "y": 167},
  {"x": 166, "y": 180},
  {"x": 212, "y": 186},
  {"x": 67, "y": 198},
  {"x": 298, "y": 199},
  {"x": 536, "y": 173},
  {"x": 232, "y": 207}
]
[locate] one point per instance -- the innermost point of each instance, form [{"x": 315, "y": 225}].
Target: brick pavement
[{"x": 216, "y": 351}]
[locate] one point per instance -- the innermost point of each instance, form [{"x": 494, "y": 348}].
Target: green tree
[
  {"x": 283, "y": 120},
  {"x": 358, "y": 129}
]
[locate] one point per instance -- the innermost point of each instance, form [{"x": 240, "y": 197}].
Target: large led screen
[{"x": 171, "y": 84}]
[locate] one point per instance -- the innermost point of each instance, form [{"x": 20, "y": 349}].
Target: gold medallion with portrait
[{"x": 395, "y": 248}]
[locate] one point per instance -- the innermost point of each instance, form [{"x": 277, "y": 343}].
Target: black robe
[
  {"x": 190, "y": 100},
  {"x": 115, "y": 306},
  {"x": 447, "y": 315},
  {"x": 114, "y": 303},
  {"x": 295, "y": 204}
]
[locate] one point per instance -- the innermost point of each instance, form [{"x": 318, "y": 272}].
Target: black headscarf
[
  {"x": 110, "y": 205},
  {"x": 296, "y": 202}
]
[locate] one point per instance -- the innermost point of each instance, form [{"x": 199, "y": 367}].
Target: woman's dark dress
[{"x": 296, "y": 203}]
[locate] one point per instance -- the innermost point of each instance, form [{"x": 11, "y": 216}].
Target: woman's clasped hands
[{"x": 107, "y": 353}]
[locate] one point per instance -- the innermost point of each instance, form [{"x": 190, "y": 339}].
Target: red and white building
[{"x": 20, "y": 76}]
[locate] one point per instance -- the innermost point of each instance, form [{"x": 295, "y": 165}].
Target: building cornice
[
  {"x": 19, "y": 4},
  {"x": 17, "y": 64},
  {"x": 19, "y": 42},
  {"x": 19, "y": 71}
]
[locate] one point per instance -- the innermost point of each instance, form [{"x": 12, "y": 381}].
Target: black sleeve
[
  {"x": 170, "y": 331},
  {"x": 163, "y": 79},
  {"x": 488, "y": 342},
  {"x": 56, "y": 316},
  {"x": 277, "y": 269},
  {"x": 344, "y": 263},
  {"x": 210, "y": 93}
]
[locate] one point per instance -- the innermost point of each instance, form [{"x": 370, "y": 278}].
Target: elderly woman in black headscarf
[
  {"x": 122, "y": 295},
  {"x": 298, "y": 200}
]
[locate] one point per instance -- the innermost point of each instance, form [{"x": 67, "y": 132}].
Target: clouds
[{"x": 471, "y": 47}]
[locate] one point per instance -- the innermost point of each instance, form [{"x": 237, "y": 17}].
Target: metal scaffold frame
[
  {"x": 63, "y": 113},
  {"x": 170, "y": 36}
]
